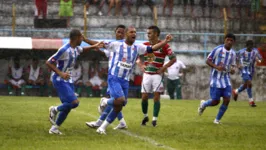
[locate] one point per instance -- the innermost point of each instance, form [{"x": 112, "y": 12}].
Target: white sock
[
  {"x": 145, "y": 115},
  {"x": 122, "y": 121},
  {"x": 55, "y": 126},
  {"x": 99, "y": 121},
  {"x": 154, "y": 118},
  {"x": 104, "y": 125},
  {"x": 251, "y": 100},
  {"x": 236, "y": 91}
]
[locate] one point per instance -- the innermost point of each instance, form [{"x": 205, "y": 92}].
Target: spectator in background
[
  {"x": 129, "y": 3},
  {"x": 77, "y": 78},
  {"x": 191, "y": 7},
  {"x": 41, "y": 7},
  {"x": 204, "y": 3},
  {"x": 243, "y": 4},
  {"x": 16, "y": 77},
  {"x": 174, "y": 73},
  {"x": 95, "y": 2},
  {"x": 66, "y": 9},
  {"x": 170, "y": 4},
  {"x": 150, "y": 3},
  {"x": 34, "y": 74}
]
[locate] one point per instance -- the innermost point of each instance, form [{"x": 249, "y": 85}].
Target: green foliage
[{"x": 24, "y": 125}]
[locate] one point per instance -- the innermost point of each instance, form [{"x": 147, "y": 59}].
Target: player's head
[
  {"x": 75, "y": 37},
  {"x": 249, "y": 44},
  {"x": 120, "y": 32},
  {"x": 153, "y": 33},
  {"x": 229, "y": 40},
  {"x": 131, "y": 34}
]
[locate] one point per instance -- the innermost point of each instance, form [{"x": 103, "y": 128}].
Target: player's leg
[
  {"x": 10, "y": 86},
  {"x": 215, "y": 94},
  {"x": 21, "y": 84},
  {"x": 146, "y": 88},
  {"x": 249, "y": 91},
  {"x": 178, "y": 89},
  {"x": 69, "y": 101},
  {"x": 171, "y": 85},
  {"x": 242, "y": 87},
  {"x": 226, "y": 94}
]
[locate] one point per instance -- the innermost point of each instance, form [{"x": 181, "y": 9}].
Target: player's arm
[
  {"x": 86, "y": 40},
  {"x": 95, "y": 47},
  {"x": 170, "y": 63},
  {"x": 140, "y": 64},
  {"x": 210, "y": 59},
  {"x": 167, "y": 39}
]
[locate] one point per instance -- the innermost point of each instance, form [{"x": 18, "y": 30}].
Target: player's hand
[
  {"x": 168, "y": 38},
  {"x": 161, "y": 70},
  {"x": 220, "y": 68},
  {"x": 240, "y": 66},
  {"x": 142, "y": 68},
  {"x": 64, "y": 75},
  {"x": 98, "y": 45}
]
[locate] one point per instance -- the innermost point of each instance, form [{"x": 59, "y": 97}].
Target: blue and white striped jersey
[
  {"x": 248, "y": 59},
  {"x": 123, "y": 57},
  {"x": 65, "y": 58},
  {"x": 221, "y": 57}
]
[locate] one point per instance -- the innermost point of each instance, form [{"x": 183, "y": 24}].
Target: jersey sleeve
[
  {"x": 106, "y": 52},
  {"x": 57, "y": 56},
  {"x": 110, "y": 46},
  {"x": 212, "y": 56},
  {"x": 168, "y": 51},
  {"x": 142, "y": 49}
]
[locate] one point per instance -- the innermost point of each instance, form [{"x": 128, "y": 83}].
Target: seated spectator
[
  {"x": 150, "y": 3},
  {"x": 191, "y": 7},
  {"x": 77, "y": 78},
  {"x": 66, "y": 10},
  {"x": 203, "y": 4},
  {"x": 96, "y": 82},
  {"x": 170, "y": 4},
  {"x": 41, "y": 7},
  {"x": 16, "y": 77},
  {"x": 95, "y": 2},
  {"x": 34, "y": 74}
]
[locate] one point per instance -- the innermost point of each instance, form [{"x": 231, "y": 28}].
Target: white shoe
[
  {"x": 100, "y": 131},
  {"x": 216, "y": 121},
  {"x": 103, "y": 105},
  {"x": 201, "y": 108},
  {"x": 52, "y": 114},
  {"x": 54, "y": 130},
  {"x": 121, "y": 126},
  {"x": 93, "y": 124}
]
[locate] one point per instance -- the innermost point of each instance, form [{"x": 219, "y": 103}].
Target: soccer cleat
[
  {"x": 54, "y": 130},
  {"x": 52, "y": 114},
  {"x": 216, "y": 121},
  {"x": 154, "y": 123},
  {"x": 201, "y": 108},
  {"x": 144, "y": 121},
  {"x": 103, "y": 105},
  {"x": 93, "y": 124},
  {"x": 100, "y": 131},
  {"x": 121, "y": 126},
  {"x": 252, "y": 104},
  {"x": 235, "y": 95}
]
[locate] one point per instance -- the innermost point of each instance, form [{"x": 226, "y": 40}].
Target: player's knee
[
  {"x": 145, "y": 96},
  {"x": 75, "y": 104},
  {"x": 215, "y": 102}
]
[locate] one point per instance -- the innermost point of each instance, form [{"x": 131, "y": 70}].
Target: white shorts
[{"x": 151, "y": 83}]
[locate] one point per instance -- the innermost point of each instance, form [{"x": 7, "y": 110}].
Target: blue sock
[
  {"x": 249, "y": 91},
  {"x": 62, "y": 116},
  {"x": 110, "y": 101},
  {"x": 119, "y": 115},
  {"x": 111, "y": 117},
  {"x": 241, "y": 88},
  {"x": 106, "y": 111},
  {"x": 221, "y": 112},
  {"x": 64, "y": 107},
  {"x": 207, "y": 103}
]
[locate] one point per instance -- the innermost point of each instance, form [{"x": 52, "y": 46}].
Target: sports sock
[
  {"x": 111, "y": 117},
  {"x": 154, "y": 118},
  {"x": 104, "y": 125},
  {"x": 144, "y": 106},
  {"x": 249, "y": 91},
  {"x": 207, "y": 103},
  {"x": 64, "y": 107},
  {"x": 120, "y": 116},
  {"x": 62, "y": 116},
  {"x": 156, "y": 108},
  {"x": 240, "y": 89},
  {"x": 221, "y": 112},
  {"x": 122, "y": 121},
  {"x": 106, "y": 111}
]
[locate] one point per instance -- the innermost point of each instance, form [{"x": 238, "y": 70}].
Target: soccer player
[
  {"x": 247, "y": 58},
  {"x": 124, "y": 57},
  {"x": 65, "y": 58},
  {"x": 222, "y": 60},
  {"x": 154, "y": 69},
  {"x": 104, "y": 109}
]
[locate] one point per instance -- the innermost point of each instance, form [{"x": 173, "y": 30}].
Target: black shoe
[
  {"x": 154, "y": 123},
  {"x": 144, "y": 121}
]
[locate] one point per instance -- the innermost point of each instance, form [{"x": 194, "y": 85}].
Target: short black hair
[
  {"x": 120, "y": 26},
  {"x": 74, "y": 33},
  {"x": 155, "y": 29},
  {"x": 249, "y": 42},
  {"x": 230, "y": 35}
]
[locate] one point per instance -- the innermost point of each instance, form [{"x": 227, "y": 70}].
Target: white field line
[{"x": 143, "y": 138}]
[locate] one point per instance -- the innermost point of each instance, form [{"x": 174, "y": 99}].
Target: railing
[{"x": 204, "y": 42}]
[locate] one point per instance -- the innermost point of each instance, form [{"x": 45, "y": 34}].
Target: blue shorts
[
  {"x": 217, "y": 93},
  {"x": 118, "y": 87},
  {"x": 246, "y": 77},
  {"x": 65, "y": 91}
]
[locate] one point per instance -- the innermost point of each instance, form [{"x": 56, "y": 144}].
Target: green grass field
[{"x": 24, "y": 125}]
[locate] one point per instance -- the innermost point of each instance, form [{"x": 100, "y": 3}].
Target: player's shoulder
[
  {"x": 219, "y": 47},
  {"x": 64, "y": 48}
]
